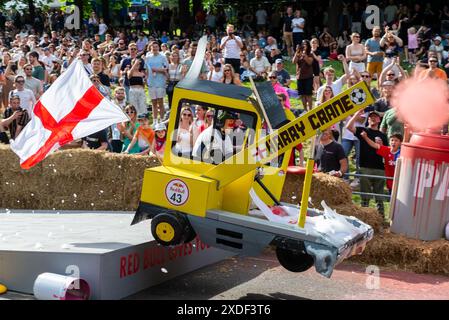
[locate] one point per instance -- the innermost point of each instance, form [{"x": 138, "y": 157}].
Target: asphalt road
[{"x": 263, "y": 278}]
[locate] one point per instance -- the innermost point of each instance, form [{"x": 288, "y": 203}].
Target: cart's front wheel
[
  {"x": 167, "y": 229},
  {"x": 294, "y": 261}
]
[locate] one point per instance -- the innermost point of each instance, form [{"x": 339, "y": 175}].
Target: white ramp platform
[{"x": 116, "y": 259}]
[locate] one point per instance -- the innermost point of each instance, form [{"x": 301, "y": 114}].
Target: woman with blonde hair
[
  {"x": 229, "y": 76},
  {"x": 128, "y": 129},
  {"x": 326, "y": 95},
  {"x": 184, "y": 137}
]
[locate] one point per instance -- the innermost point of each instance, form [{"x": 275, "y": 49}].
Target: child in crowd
[
  {"x": 160, "y": 139},
  {"x": 412, "y": 45},
  {"x": 390, "y": 154},
  {"x": 144, "y": 136}
]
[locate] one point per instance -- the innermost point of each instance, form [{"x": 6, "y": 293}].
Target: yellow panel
[
  {"x": 274, "y": 177},
  {"x": 236, "y": 195},
  {"x": 176, "y": 189}
]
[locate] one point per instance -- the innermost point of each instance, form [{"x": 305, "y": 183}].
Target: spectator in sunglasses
[
  {"x": 128, "y": 129},
  {"x": 27, "y": 99},
  {"x": 278, "y": 88},
  {"x": 434, "y": 71}
]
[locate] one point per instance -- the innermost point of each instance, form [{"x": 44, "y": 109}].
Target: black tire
[
  {"x": 176, "y": 223},
  {"x": 294, "y": 261}
]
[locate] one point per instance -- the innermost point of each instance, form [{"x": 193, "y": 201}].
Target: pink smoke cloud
[{"x": 422, "y": 103}]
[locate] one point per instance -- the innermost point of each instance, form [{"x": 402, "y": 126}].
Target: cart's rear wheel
[
  {"x": 167, "y": 229},
  {"x": 294, "y": 261}
]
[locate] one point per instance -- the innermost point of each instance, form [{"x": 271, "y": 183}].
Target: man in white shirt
[
  {"x": 259, "y": 64},
  {"x": 271, "y": 44},
  {"x": 48, "y": 59},
  {"x": 232, "y": 47},
  {"x": 216, "y": 73},
  {"x": 329, "y": 75},
  {"x": 298, "y": 29},
  {"x": 261, "y": 18},
  {"x": 27, "y": 99}
]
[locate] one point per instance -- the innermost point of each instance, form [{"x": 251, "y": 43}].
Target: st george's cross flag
[{"x": 72, "y": 108}]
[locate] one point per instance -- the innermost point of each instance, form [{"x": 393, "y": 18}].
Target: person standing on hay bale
[{"x": 370, "y": 162}]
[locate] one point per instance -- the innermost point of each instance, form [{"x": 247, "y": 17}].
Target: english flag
[{"x": 72, "y": 108}]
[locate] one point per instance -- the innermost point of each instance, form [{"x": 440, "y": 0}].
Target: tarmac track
[{"x": 262, "y": 278}]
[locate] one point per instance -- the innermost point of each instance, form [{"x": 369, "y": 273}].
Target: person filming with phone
[
  {"x": 232, "y": 47},
  {"x": 15, "y": 118}
]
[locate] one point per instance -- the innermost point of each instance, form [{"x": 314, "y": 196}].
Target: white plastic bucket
[{"x": 52, "y": 286}]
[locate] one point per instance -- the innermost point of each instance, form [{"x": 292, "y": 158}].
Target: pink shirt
[
  {"x": 412, "y": 41},
  {"x": 278, "y": 88}
]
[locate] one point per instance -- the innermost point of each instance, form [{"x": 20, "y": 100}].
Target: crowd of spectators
[{"x": 294, "y": 49}]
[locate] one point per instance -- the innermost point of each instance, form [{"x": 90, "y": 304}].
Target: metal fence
[{"x": 357, "y": 175}]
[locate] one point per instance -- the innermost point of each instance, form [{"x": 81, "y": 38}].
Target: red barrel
[{"x": 421, "y": 203}]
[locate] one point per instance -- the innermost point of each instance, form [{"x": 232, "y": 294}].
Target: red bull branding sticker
[{"x": 177, "y": 192}]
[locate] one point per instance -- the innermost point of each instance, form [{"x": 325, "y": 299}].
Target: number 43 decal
[
  {"x": 176, "y": 197},
  {"x": 177, "y": 192}
]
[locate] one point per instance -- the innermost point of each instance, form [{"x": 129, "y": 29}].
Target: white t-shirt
[
  {"x": 48, "y": 61},
  {"x": 216, "y": 76},
  {"x": 102, "y": 29},
  {"x": 27, "y": 99},
  {"x": 259, "y": 65},
  {"x": 295, "y": 22},
  {"x": 337, "y": 87},
  {"x": 261, "y": 16},
  {"x": 231, "y": 48}
]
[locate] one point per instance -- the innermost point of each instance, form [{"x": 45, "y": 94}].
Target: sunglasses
[
  {"x": 20, "y": 81},
  {"x": 391, "y": 74},
  {"x": 186, "y": 115},
  {"x": 129, "y": 112},
  {"x": 356, "y": 36},
  {"x": 365, "y": 76},
  {"x": 210, "y": 115},
  {"x": 226, "y": 70},
  {"x": 28, "y": 69},
  {"x": 133, "y": 49},
  {"x": 433, "y": 61},
  {"x": 273, "y": 77}
]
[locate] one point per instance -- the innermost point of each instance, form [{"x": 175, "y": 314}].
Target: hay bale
[
  {"x": 393, "y": 250},
  {"x": 75, "y": 179},
  {"x": 324, "y": 187}
]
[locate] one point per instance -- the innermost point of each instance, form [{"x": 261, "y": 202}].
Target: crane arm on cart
[{"x": 286, "y": 137}]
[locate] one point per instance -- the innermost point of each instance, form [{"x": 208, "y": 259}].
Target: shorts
[
  {"x": 305, "y": 87},
  {"x": 359, "y": 66},
  {"x": 374, "y": 67},
  {"x": 288, "y": 38},
  {"x": 156, "y": 93}
]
